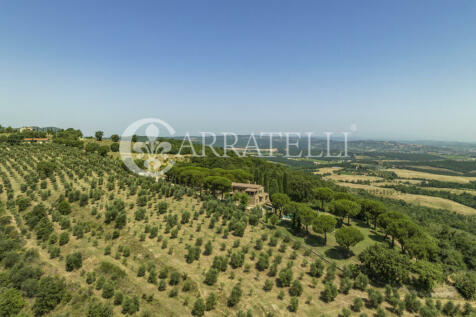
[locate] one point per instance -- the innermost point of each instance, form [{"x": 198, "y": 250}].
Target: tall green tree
[
  {"x": 323, "y": 194},
  {"x": 279, "y": 200},
  {"x": 428, "y": 275},
  {"x": 372, "y": 209},
  {"x": 345, "y": 208},
  {"x": 99, "y": 135},
  {"x": 348, "y": 237},
  {"x": 324, "y": 224},
  {"x": 115, "y": 138},
  {"x": 218, "y": 183},
  {"x": 307, "y": 216},
  {"x": 384, "y": 265},
  {"x": 388, "y": 221}
]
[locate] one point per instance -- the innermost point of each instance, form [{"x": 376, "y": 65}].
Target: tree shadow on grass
[
  {"x": 309, "y": 238},
  {"x": 315, "y": 241},
  {"x": 362, "y": 224},
  {"x": 338, "y": 253},
  {"x": 289, "y": 228},
  {"x": 376, "y": 237}
]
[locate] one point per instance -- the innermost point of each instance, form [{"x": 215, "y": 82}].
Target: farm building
[{"x": 257, "y": 195}]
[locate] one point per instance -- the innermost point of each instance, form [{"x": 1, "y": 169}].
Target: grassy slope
[{"x": 150, "y": 251}]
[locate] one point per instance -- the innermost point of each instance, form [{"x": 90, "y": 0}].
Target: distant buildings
[
  {"x": 257, "y": 195},
  {"x": 24, "y": 129}
]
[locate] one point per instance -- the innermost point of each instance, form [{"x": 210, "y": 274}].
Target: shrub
[
  {"x": 30, "y": 287},
  {"x": 285, "y": 277},
  {"x": 118, "y": 297},
  {"x": 64, "y": 207},
  {"x": 237, "y": 259},
  {"x": 187, "y": 286},
  {"x": 140, "y": 214},
  {"x": 141, "y": 271},
  {"x": 449, "y": 309},
  {"x": 380, "y": 312},
  {"x": 43, "y": 229},
  {"x": 263, "y": 261},
  {"x": 130, "y": 305},
  {"x": 63, "y": 238},
  {"x": 162, "y": 285},
  {"x": 211, "y": 302},
  {"x": 174, "y": 278},
  {"x": 220, "y": 263},
  {"x": 98, "y": 309},
  {"x": 296, "y": 288},
  {"x": 330, "y": 273},
  {"x": 49, "y": 295},
  {"x": 11, "y": 302},
  {"x": 208, "y": 248},
  {"x": 74, "y": 261},
  {"x": 466, "y": 285},
  {"x": 162, "y": 207},
  {"x": 293, "y": 304},
  {"x": 468, "y": 310},
  {"x": 173, "y": 292},
  {"x": 211, "y": 276},
  {"x": 330, "y": 292},
  {"x": 90, "y": 277},
  {"x": 412, "y": 304},
  {"x": 108, "y": 289},
  {"x": 100, "y": 282},
  {"x": 345, "y": 285},
  {"x": 361, "y": 282},
  {"x": 198, "y": 307},
  {"x": 235, "y": 295},
  {"x": 273, "y": 270},
  {"x": 317, "y": 268},
  {"x": 268, "y": 285},
  {"x": 152, "y": 277},
  {"x": 115, "y": 147},
  {"x": 111, "y": 269},
  {"x": 164, "y": 273},
  {"x": 357, "y": 304},
  {"x": 426, "y": 311},
  {"x": 193, "y": 254},
  {"x": 375, "y": 298}
]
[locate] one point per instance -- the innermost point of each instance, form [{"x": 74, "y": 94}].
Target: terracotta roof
[{"x": 246, "y": 185}]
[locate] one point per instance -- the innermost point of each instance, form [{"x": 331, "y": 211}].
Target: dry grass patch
[
  {"x": 420, "y": 200},
  {"x": 409, "y": 174}
]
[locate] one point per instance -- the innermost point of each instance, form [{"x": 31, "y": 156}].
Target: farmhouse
[{"x": 257, "y": 195}]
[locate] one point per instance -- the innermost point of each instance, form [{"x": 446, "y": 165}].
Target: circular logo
[{"x": 147, "y": 155}]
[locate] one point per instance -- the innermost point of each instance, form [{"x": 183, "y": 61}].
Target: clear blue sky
[{"x": 396, "y": 69}]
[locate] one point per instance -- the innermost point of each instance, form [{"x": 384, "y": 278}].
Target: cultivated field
[
  {"x": 136, "y": 246},
  {"x": 375, "y": 186},
  {"x": 409, "y": 174}
]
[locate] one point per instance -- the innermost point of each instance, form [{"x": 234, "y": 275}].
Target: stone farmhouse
[{"x": 257, "y": 195}]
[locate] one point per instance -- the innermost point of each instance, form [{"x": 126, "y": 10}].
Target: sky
[{"x": 381, "y": 69}]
